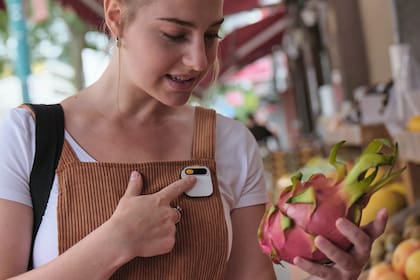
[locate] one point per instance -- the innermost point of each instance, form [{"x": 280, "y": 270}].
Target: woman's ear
[{"x": 113, "y": 16}]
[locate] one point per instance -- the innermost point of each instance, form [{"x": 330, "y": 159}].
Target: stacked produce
[
  {"x": 311, "y": 207},
  {"x": 396, "y": 253},
  {"x": 413, "y": 124}
]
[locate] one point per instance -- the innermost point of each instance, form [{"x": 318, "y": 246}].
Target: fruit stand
[
  {"x": 412, "y": 179},
  {"x": 355, "y": 134},
  {"x": 397, "y": 251},
  {"x": 409, "y": 143},
  {"x": 391, "y": 196}
]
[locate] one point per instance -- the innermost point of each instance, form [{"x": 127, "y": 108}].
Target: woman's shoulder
[
  {"x": 17, "y": 128},
  {"x": 17, "y": 131},
  {"x": 228, "y": 122},
  {"x": 228, "y": 128},
  {"x": 17, "y": 117},
  {"x": 234, "y": 140},
  {"x": 239, "y": 165}
]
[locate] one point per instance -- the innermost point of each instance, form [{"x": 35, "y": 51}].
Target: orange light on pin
[{"x": 189, "y": 171}]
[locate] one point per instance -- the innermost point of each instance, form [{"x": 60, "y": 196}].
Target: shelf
[
  {"x": 353, "y": 134},
  {"x": 409, "y": 154}
]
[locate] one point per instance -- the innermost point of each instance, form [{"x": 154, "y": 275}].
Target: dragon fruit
[{"x": 307, "y": 209}]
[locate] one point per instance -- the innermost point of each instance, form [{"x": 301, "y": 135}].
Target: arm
[
  {"x": 16, "y": 216},
  {"x": 15, "y": 237},
  {"x": 89, "y": 259},
  {"x": 246, "y": 259},
  {"x": 133, "y": 230}
]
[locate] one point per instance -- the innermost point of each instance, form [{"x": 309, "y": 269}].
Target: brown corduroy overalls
[{"x": 90, "y": 191}]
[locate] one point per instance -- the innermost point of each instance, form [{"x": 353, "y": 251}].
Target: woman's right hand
[
  {"x": 146, "y": 224},
  {"x": 142, "y": 225}
]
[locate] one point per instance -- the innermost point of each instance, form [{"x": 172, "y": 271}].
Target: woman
[{"x": 117, "y": 207}]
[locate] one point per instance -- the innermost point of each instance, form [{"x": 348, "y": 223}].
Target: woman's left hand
[{"x": 347, "y": 265}]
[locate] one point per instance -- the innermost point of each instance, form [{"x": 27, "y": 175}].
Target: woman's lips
[{"x": 181, "y": 83}]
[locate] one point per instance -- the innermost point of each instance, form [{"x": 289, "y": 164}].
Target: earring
[{"x": 118, "y": 42}]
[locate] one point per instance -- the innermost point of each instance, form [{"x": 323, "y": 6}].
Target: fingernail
[
  {"x": 192, "y": 179},
  {"x": 318, "y": 240},
  {"x": 340, "y": 222},
  {"x": 383, "y": 213},
  {"x": 134, "y": 175}
]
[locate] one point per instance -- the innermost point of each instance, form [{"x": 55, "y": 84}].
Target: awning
[
  {"x": 235, "y": 6},
  {"x": 90, "y": 11},
  {"x": 261, "y": 70},
  {"x": 246, "y": 44}
]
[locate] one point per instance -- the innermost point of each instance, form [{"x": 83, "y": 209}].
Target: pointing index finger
[{"x": 177, "y": 188}]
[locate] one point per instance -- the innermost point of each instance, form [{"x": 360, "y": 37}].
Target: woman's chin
[{"x": 176, "y": 102}]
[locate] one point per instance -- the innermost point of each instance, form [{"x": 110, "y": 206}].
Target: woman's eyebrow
[{"x": 188, "y": 23}]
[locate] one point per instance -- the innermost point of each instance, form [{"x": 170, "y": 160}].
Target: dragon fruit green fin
[
  {"x": 295, "y": 180},
  {"x": 307, "y": 196},
  {"x": 358, "y": 188},
  {"x": 340, "y": 167},
  {"x": 376, "y": 145},
  {"x": 365, "y": 162},
  {"x": 286, "y": 222}
]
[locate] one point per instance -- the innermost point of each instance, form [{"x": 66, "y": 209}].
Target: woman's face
[{"x": 169, "y": 47}]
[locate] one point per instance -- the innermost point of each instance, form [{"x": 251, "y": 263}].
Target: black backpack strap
[{"x": 49, "y": 131}]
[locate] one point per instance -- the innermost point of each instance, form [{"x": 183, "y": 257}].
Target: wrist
[{"x": 119, "y": 249}]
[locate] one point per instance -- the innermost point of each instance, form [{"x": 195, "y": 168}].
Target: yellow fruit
[
  {"x": 412, "y": 266},
  {"x": 392, "y": 240},
  {"x": 402, "y": 252},
  {"x": 378, "y": 270},
  {"x": 391, "y": 275},
  {"x": 380, "y": 173},
  {"x": 384, "y": 198},
  {"x": 413, "y": 124},
  {"x": 378, "y": 249},
  {"x": 397, "y": 187}
]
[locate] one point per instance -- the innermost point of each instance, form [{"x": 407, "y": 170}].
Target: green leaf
[
  {"x": 286, "y": 222},
  {"x": 295, "y": 180},
  {"x": 340, "y": 167},
  {"x": 365, "y": 162},
  {"x": 307, "y": 196},
  {"x": 376, "y": 145}
]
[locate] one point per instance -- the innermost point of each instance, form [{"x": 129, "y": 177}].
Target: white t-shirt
[{"x": 240, "y": 172}]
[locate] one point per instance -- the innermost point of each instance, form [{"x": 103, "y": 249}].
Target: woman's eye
[
  {"x": 179, "y": 38},
  {"x": 175, "y": 38}
]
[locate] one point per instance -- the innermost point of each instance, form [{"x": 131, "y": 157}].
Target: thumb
[
  {"x": 135, "y": 184},
  {"x": 377, "y": 227}
]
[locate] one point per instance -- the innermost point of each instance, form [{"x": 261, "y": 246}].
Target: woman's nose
[{"x": 196, "y": 56}]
